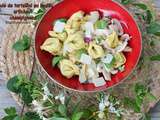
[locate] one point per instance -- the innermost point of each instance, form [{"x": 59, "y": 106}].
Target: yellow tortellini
[
  {"x": 61, "y": 36},
  {"x": 74, "y": 22},
  {"x": 113, "y": 40},
  {"x": 75, "y": 41},
  {"x": 52, "y": 45},
  {"x": 119, "y": 59},
  {"x": 68, "y": 68},
  {"x": 95, "y": 51}
]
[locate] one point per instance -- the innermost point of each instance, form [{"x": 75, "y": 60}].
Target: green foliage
[
  {"x": 22, "y": 44},
  {"x": 56, "y": 60},
  {"x": 155, "y": 58},
  {"x": 141, "y": 6},
  {"x": 154, "y": 28},
  {"x": 101, "y": 24},
  {"x": 39, "y": 13},
  {"x": 62, "y": 110},
  {"x": 25, "y": 88},
  {"x": 126, "y": 2},
  {"x": 10, "y": 113},
  {"x": 141, "y": 92}
]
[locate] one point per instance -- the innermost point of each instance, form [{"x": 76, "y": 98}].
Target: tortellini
[
  {"x": 61, "y": 36},
  {"x": 68, "y": 68},
  {"x": 74, "y": 22},
  {"x": 95, "y": 51},
  {"x": 113, "y": 40},
  {"x": 52, "y": 45},
  {"x": 87, "y": 46},
  {"x": 75, "y": 41},
  {"x": 119, "y": 59}
]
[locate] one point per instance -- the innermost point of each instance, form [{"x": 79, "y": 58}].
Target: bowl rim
[{"x": 87, "y": 91}]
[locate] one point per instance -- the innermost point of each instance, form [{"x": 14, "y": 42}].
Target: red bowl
[{"x": 64, "y": 10}]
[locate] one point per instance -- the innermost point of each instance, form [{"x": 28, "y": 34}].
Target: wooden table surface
[{"x": 6, "y": 99}]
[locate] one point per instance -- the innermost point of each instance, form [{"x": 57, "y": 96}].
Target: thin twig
[{"x": 30, "y": 76}]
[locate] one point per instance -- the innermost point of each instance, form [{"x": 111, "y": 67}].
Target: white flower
[
  {"x": 101, "y": 106},
  {"x": 106, "y": 101},
  {"x": 45, "y": 118},
  {"x": 101, "y": 115},
  {"x": 45, "y": 97},
  {"x": 60, "y": 97},
  {"x": 46, "y": 90},
  {"x": 112, "y": 109},
  {"x": 37, "y": 107}
]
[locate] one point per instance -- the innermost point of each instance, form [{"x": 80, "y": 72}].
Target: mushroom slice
[
  {"x": 125, "y": 37},
  {"x": 127, "y": 49},
  {"x": 116, "y": 26},
  {"x": 98, "y": 82},
  {"x": 82, "y": 74},
  {"x": 106, "y": 75},
  {"x": 121, "y": 46}
]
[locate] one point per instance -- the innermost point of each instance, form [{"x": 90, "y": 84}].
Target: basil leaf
[
  {"x": 62, "y": 110},
  {"x": 22, "y": 44},
  {"x": 141, "y": 6},
  {"x": 155, "y": 58},
  {"x": 101, "y": 24},
  {"x": 125, "y": 2},
  {"x": 56, "y": 60},
  {"x": 154, "y": 28},
  {"x": 77, "y": 116}
]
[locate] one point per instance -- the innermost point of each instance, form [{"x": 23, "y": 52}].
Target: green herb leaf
[
  {"x": 56, "y": 60},
  {"x": 68, "y": 99},
  {"x": 17, "y": 118},
  {"x": 80, "y": 52},
  {"x": 131, "y": 104},
  {"x": 10, "y": 111},
  {"x": 155, "y": 58},
  {"x": 22, "y": 44},
  {"x": 101, "y": 24},
  {"x": 154, "y": 28},
  {"x": 141, "y": 6},
  {"x": 31, "y": 116},
  {"x": 39, "y": 14},
  {"x": 63, "y": 20},
  {"x": 151, "y": 97},
  {"x": 26, "y": 96},
  {"x": 77, "y": 116},
  {"x": 149, "y": 17},
  {"x": 125, "y": 2},
  {"x": 62, "y": 110},
  {"x": 14, "y": 84}
]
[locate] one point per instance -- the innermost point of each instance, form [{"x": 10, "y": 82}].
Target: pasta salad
[{"x": 90, "y": 46}]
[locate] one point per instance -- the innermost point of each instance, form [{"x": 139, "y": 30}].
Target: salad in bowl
[{"x": 90, "y": 45}]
